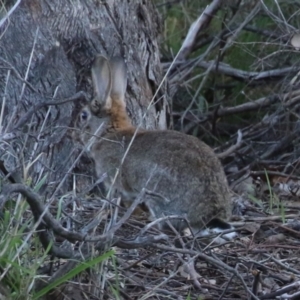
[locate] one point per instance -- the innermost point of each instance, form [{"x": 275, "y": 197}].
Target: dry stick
[
  {"x": 226, "y": 287},
  {"x": 23, "y": 85},
  {"x": 139, "y": 242},
  {"x": 279, "y": 145},
  {"x": 157, "y": 221},
  {"x": 85, "y": 148},
  {"x": 268, "y": 33},
  {"x": 270, "y": 218},
  {"x": 40, "y": 211},
  {"x": 216, "y": 63},
  {"x": 290, "y": 230},
  {"x": 190, "y": 39},
  {"x": 62, "y": 270},
  {"x": 205, "y": 76},
  {"x": 288, "y": 100},
  {"x": 282, "y": 264},
  {"x": 224, "y": 34},
  {"x": 37, "y": 207},
  {"x": 128, "y": 265},
  {"x": 225, "y": 69},
  {"x": 125, "y": 217},
  {"x": 150, "y": 293},
  {"x": 18, "y": 75},
  {"x": 33, "y": 157},
  {"x": 89, "y": 188},
  {"x": 38, "y": 106},
  {"x": 4, "y": 101},
  {"x": 213, "y": 261},
  {"x": 166, "y": 292},
  {"x": 275, "y": 17},
  {"x": 249, "y": 17},
  {"x": 215, "y": 42},
  {"x": 29, "y": 63},
  {"x": 135, "y": 280},
  {"x": 234, "y": 147},
  {"x": 188, "y": 266},
  {"x": 259, "y": 103},
  {"x": 196, "y": 27},
  {"x": 273, "y": 173},
  {"x": 25, "y": 117},
  {"x": 9, "y": 13},
  {"x": 281, "y": 291}
]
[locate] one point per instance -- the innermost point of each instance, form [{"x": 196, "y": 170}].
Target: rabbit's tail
[{"x": 218, "y": 226}]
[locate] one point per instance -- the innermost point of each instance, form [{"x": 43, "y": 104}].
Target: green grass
[{"x": 77, "y": 270}]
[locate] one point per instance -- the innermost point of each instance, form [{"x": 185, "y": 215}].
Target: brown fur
[
  {"x": 182, "y": 175},
  {"x": 118, "y": 115}
]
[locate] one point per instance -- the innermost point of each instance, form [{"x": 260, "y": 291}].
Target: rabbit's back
[{"x": 183, "y": 174}]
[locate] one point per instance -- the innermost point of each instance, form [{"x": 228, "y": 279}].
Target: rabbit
[{"x": 181, "y": 174}]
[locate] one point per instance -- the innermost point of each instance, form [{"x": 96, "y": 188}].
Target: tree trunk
[{"x": 46, "y": 52}]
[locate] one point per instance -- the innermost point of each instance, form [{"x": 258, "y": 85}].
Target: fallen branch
[
  {"x": 234, "y": 147},
  {"x": 201, "y": 23}
]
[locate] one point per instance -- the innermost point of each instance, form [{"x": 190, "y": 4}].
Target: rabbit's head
[{"x": 107, "y": 110}]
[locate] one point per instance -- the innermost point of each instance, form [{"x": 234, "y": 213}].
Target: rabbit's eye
[{"x": 84, "y": 115}]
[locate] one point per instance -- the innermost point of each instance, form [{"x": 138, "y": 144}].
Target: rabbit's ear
[
  {"x": 119, "y": 79},
  {"x": 102, "y": 82}
]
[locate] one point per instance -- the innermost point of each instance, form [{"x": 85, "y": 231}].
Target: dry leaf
[
  {"x": 276, "y": 238},
  {"x": 286, "y": 185},
  {"x": 295, "y": 41},
  {"x": 246, "y": 187},
  {"x": 251, "y": 227},
  {"x": 245, "y": 240},
  {"x": 269, "y": 284}
]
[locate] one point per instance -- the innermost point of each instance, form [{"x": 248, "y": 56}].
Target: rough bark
[{"x": 46, "y": 51}]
